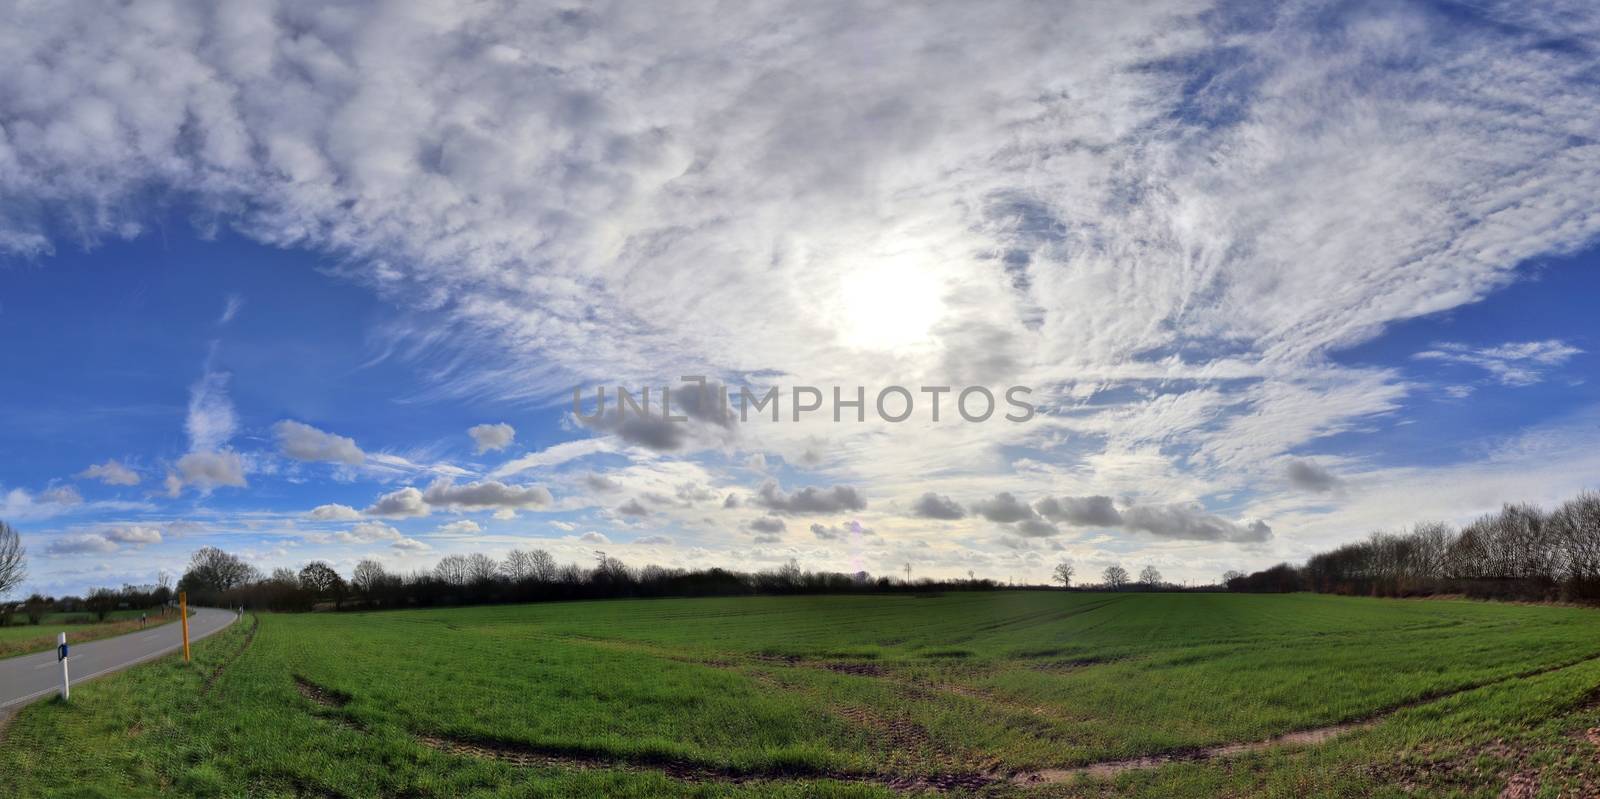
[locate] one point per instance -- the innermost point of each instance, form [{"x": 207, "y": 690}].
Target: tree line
[
  {"x": 219, "y": 578},
  {"x": 1522, "y": 552}
]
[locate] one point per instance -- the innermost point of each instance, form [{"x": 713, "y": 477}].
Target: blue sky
[{"x": 1277, "y": 276}]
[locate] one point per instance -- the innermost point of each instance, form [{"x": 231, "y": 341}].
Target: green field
[
  {"x": 986, "y": 694},
  {"x": 20, "y": 639}
]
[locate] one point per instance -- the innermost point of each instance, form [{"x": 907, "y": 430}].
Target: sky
[{"x": 317, "y": 282}]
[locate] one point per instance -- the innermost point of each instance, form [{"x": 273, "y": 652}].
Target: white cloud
[
  {"x": 65, "y": 496},
  {"x": 1096, "y": 511},
  {"x": 211, "y": 421},
  {"x": 490, "y": 494},
  {"x": 460, "y": 528},
  {"x": 111, "y": 473},
  {"x": 1003, "y": 508},
  {"x": 1515, "y": 364},
  {"x": 1310, "y": 476},
  {"x": 306, "y": 443},
  {"x": 400, "y": 504},
  {"x": 137, "y": 535},
  {"x": 334, "y": 513},
  {"x": 934, "y": 506},
  {"x": 810, "y": 499},
  {"x": 654, "y": 540},
  {"x": 80, "y": 544},
  {"x": 593, "y": 537},
  {"x": 554, "y": 456},
  {"x": 207, "y": 470},
  {"x": 490, "y": 437},
  {"x": 230, "y": 309},
  {"x": 102, "y": 540},
  {"x": 375, "y": 531}
]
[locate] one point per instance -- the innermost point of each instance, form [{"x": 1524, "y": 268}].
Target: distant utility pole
[{"x": 908, "y": 572}]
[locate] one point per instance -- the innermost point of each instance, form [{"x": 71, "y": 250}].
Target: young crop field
[{"x": 963, "y": 694}]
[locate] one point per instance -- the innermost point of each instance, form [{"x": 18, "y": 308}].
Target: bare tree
[
  {"x": 1577, "y": 527},
  {"x": 481, "y": 568},
  {"x": 545, "y": 569},
  {"x": 518, "y": 566},
  {"x": 13, "y": 565},
  {"x": 1150, "y": 576},
  {"x": 368, "y": 577},
  {"x": 1115, "y": 577},
  {"x": 1063, "y": 573},
  {"x": 452, "y": 569}
]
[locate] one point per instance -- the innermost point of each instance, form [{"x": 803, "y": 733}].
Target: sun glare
[{"x": 889, "y": 305}]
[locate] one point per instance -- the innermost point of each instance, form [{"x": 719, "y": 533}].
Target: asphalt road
[{"x": 29, "y": 677}]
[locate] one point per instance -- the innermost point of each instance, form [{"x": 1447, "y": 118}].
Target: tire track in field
[
  {"x": 528, "y": 755},
  {"x": 1106, "y": 769},
  {"x": 249, "y": 638}
]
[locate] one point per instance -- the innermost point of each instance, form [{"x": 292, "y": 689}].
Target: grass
[
  {"x": 841, "y": 696},
  {"x": 22, "y": 639}
]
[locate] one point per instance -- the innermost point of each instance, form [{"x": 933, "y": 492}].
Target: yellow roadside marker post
[{"x": 183, "y": 613}]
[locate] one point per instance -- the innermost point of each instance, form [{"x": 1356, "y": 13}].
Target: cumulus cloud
[
  {"x": 1095, "y": 511},
  {"x": 406, "y": 502},
  {"x": 934, "y": 506},
  {"x": 1309, "y": 476},
  {"x": 601, "y": 483},
  {"x": 410, "y": 545},
  {"x": 809, "y": 500},
  {"x": 136, "y": 535},
  {"x": 593, "y": 537},
  {"x": 1036, "y": 528},
  {"x": 208, "y": 470},
  {"x": 374, "y": 531},
  {"x": 1193, "y": 523},
  {"x": 334, "y": 513},
  {"x": 488, "y": 494},
  {"x": 654, "y": 540},
  {"x": 20, "y": 504},
  {"x": 112, "y": 473},
  {"x": 61, "y": 495},
  {"x": 651, "y": 432},
  {"x": 768, "y": 524},
  {"x": 633, "y": 507},
  {"x": 828, "y": 533},
  {"x": 491, "y": 437},
  {"x": 306, "y": 443},
  {"x": 459, "y": 529},
  {"x": 1514, "y": 364},
  {"x": 104, "y": 540},
  {"x": 1003, "y": 508},
  {"x": 210, "y": 423}
]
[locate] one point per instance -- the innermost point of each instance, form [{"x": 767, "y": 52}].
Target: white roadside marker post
[{"x": 61, "y": 655}]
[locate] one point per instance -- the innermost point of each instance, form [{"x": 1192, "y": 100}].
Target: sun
[{"x": 889, "y": 305}]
